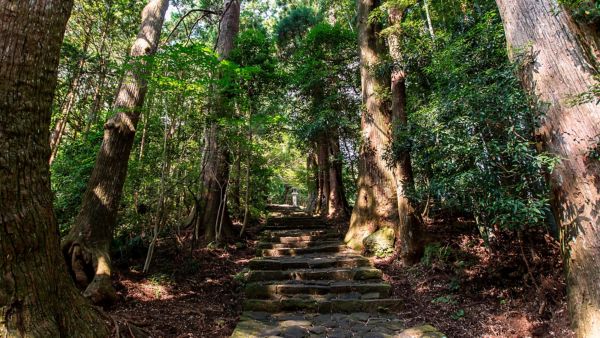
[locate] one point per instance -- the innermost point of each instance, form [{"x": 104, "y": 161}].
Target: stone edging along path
[{"x": 306, "y": 283}]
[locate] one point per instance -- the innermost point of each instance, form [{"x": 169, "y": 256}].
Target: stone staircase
[{"x": 306, "y": 283}]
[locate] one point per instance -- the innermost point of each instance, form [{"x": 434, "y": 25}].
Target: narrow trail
[{"x": 307, "y": 283}]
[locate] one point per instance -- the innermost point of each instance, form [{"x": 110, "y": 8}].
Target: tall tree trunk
[
  {"x": 376, "y": 204},
  {"x": 161, "y": 217},
  {"x": 86, "y": 247},
  {"x": 555, "y": 69},
  {"x": 215, "y": 173},
  {"x": 97, "y": 101},
  {"x": 408, "y": 231},
  {"x": 319, "y": 182},
  {"x": 61, "y": 125},
  {"x": 428, "y": 17},
  {"x": 312, "y": 183},
  {"x": 323, "y": 165},
  {"x": 338, "y": 208},
  {"x": 215, "y": 176},
  {"x": 37, "y": 298},
  {"x": 248, "y": 179},
  {"x": 237, "y": 190}
]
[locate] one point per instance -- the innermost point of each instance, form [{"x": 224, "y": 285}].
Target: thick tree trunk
[
  {"x": 376, "y": 204},
  {"x": 312, "y": 183},
  {"x": 408, "y": 231},
  {"x": 37, "y": 298},
  {"x": 215, "y": 176},
  {"x": 338, "y": 205},
  {"x": 320, "y": 184},
  {"x": 323, "y": 165},
  {"x": 86, "y": 247},
  {"x": 215, "y": 172},
  {"x": 555, "y": 69}
]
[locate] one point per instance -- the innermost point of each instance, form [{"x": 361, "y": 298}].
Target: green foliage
[
  {"x": 436, "y": 253},
  {"x": 585, "y": 11},
  {"x": 70, "y": 173},
  {"x": 444, "y": 300},
  {"x": 294, "y": 79},
  {"x": 294, "y": 26},
  {"x": 471, "y": 128},
  {"x": 460, "y": 313}
]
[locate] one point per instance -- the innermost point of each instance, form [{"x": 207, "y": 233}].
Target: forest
[{"x": 300, "y": 168}]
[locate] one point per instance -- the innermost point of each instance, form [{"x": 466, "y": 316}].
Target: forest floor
[
  {"x": 467, "y": 289},
  {"x": 462, "y": 287}
]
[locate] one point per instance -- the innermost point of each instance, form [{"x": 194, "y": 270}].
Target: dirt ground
[
  {"x": 467, "y": 289},
  {"x": 462, "y": 287}
]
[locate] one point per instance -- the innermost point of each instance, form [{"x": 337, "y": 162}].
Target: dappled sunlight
[{"x": 102, "y": 197}]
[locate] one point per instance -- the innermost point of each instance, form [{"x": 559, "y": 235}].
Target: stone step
[
  {"x": 360, "y": 273},
  {"x": 296, "y": 218},
  {"x": 301, "y": 233},
  {"x": 326, "y": 306},
  {"x": 299, "y": 226},
  {"x": 299, "y": 238},
  {"x": 309, "y": 262},
  {"x": 296, "y": 245},
  {"x": 296, "y": 222},
  {"x": 327, "y": 289},
  {"x": 286, "y": 251},
  {"x": 301, "y": 324}
]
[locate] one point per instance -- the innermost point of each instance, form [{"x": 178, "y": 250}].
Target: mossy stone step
[
  {"x": 322, "y": 288},
  {"x": 297, "y": 245},
  {"x": 327, "y": 306},
  {"x": 297, "y": 236},
  {"x": 300, "y": 238},
  {"x": 302, "y": 251},
  {"x": 296, "y": 227},
  {"x": 362, "y": 273},
  {"x": 306, "y": 262}
]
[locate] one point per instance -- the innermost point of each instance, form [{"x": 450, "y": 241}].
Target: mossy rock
[{"x": 380, "y": 241}]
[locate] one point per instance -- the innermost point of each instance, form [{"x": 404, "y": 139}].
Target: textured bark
[
  {"x": 376, "y": 203},
  {"x": 408, "y": 230},
  {"x": 37, "y": 298},
  {"x": 214, "y": 213},
  {"x": 554, "y": 69},
  {"x": 215, "y": 176},
  {"x": 236, "y": 194},
  {"x": 248, "y": 182},
  {"x": 312, "y": 183},
  {"x": 338, "y": 208},
  {"x": 86, "y": 247},
  {"x": 323, "y": 165}
]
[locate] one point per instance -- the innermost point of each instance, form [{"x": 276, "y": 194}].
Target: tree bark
[
  {"x": 37, "y": 298},
  {"x": 408, "y": 232},
  {"x": 323, "y": 165},
  {"x": 86, "y": 247},
  {"x": 237, "y": 183},
  {"x": 215, "y": 173},
  {"x": 312, "y": 183},
  {"x": 376, "y": 204},
  {"x": 554, "y": 68},
  {"x": 338, "y": 208},
  {"x": 248, "y": 180}
]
